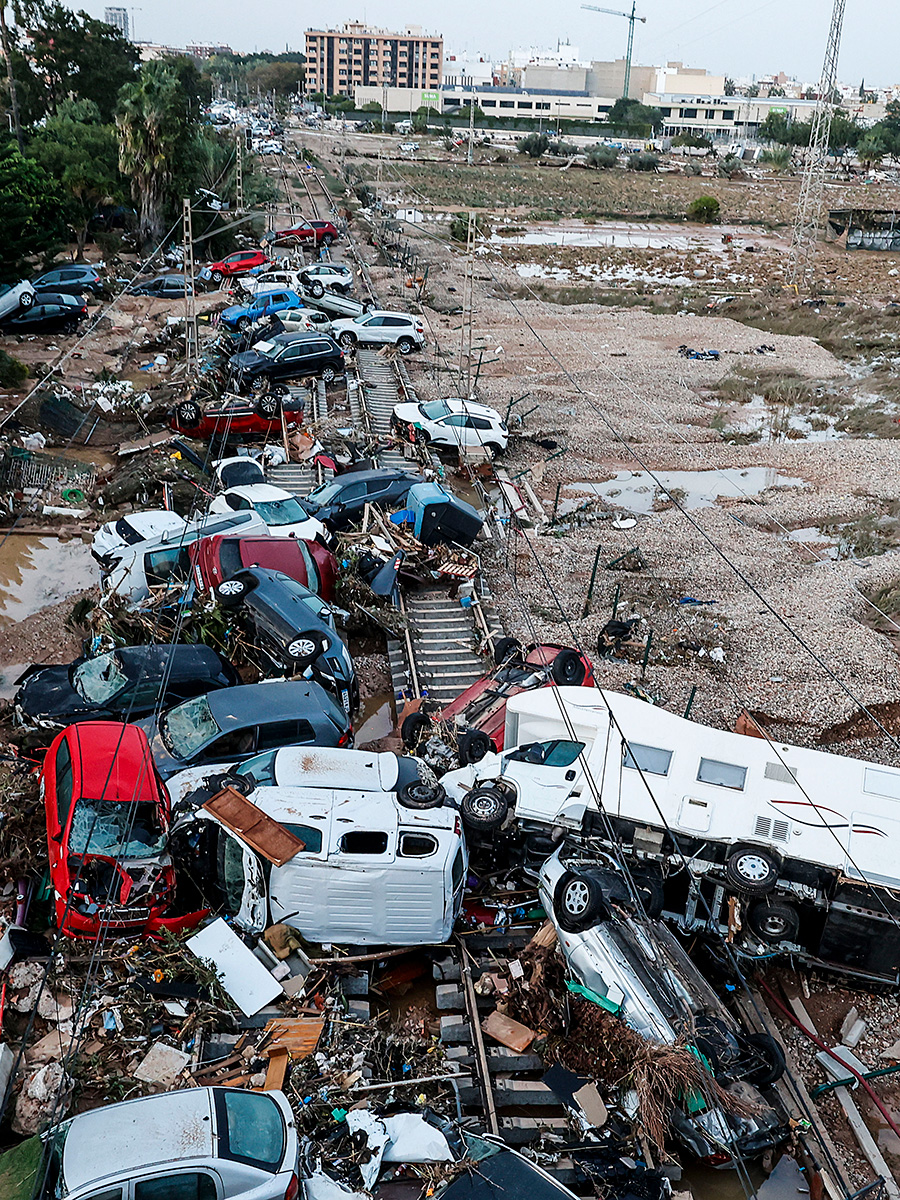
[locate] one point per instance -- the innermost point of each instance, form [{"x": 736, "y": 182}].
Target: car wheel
[
  {"x": 217, "y": 276},
  {"x": 188, "y": 413},
  {"x": 752, "y": 871},
  {"x": 240, "y": 783},
  {"x": 568, "y": 669},
  {"x": 472, "y": 746},
  {"x": 231, "y": 592},
  {"x": 327, "y": 239},
  {"x": 26, "y": 300},
  {"x": 774, "y": 922},
  {"x": 316, "y": 290},
  {"x": 406, "y": 345},
  {"x": 578, "y": 902},
  {"x": 772, "y": 1063},
  {"x": 494, "y": 449},
  {"x": 648, "y": 887},
  {"x": 348, "y": 342},
  {"x": 244, "y": 324},
  {"x": 506, "y": 648},
  {"x": 483, "y": 809},
  {"x": 329, "y": 374},
  {"x": 305, "y": 648},
  {"x": 413, "y": 727},
  {"x": 420, "y": 794},
  {"x": 69, "y": 328},
  {"x": 269, "y": 406}
]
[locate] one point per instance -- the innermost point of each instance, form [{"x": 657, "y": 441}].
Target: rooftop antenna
[{"x": 630, "y": 18}]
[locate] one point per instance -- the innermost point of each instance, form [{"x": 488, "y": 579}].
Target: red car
[
  {"x": 107, "y": 826},
  {"x": 323, "y": 232},
  {"x": 217, "y": 558},
  {"x": 239, "y": 263},
  {"x": 237, "y": 415},
  {"x": 478, "y": 714}
]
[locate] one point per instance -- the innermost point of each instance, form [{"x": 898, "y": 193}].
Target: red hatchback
[
  {"x": 107, "y": 827},
  {"x": 323, "y": 232},
  {"x": 240, "y": 263},
  {"x": 478, "y": 714},
  {"x": 309, "y": 562},
  {"x": 236, "y": 415}
]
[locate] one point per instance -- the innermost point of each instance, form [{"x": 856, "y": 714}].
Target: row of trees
[{"x": 881, "y": 140}]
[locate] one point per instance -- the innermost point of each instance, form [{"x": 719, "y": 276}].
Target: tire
[
  {"x": 413, "y": 726},
  {"x": 348, "y": 342},
  {"x": 305, "y": 648},
  {"x": 773, "y": 921},
  {"x": 420, "y": 794},
  {"x": 578, "y": 902},
  {"x": 269, "y": 406},
  {"x": 188, "y": 413},
  {"x": 472, "y": 746},
  {"x": 70, "y": 328},
  {"x": 406, "y": 345},
  {"x": 329, "y": 374},
  {"x": 239, "y": 782},
  {"x": 506, "y": 648},
  {"x": 494, "y": 448},
  {"x": 483, "y": 809},
  {"x": 244, "y": 324},
  {"x": 328, "y": 239},
  {"x": 649, "y": 888},
  {"x": 567, "y": 669},
  {"x": 317, "y": 290},
  {"x": 26, "y": 300},
  {"x": 217, "y": 277},
  {"x": 231, "y": 592},
  {"x": 773, "y": 1064},
  {"x": 752, "y": 870}
]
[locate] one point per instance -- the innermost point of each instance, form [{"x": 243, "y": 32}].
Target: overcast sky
[{"x": 731, "y": 37}]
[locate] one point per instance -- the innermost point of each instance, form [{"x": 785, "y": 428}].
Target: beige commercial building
[{"x": 338, "y": 62}]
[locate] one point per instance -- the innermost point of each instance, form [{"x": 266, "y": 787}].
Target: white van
[{"x": 804, "y": 842}]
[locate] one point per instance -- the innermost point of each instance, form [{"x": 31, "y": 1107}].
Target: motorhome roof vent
[{"x": 781, "y": 773}]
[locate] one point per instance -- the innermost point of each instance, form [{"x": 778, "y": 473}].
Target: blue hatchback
[{"x": 242, "y": 316}]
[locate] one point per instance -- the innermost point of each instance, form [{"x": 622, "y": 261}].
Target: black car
[
  {"x": 293, "y": 628},
  {"x": 288, "y": 356},
  {"x": 229, "y": 726},
  {"x": 125, "y": 683},
  {"x": 50, "y": 313},
  {"x": 341, "y": 502},
  {"x": 171, "y": 286},
  {"x": 75, "y": 278}
]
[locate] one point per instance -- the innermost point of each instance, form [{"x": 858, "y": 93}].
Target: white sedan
[
  {"x": 379, "y": 328},
  {"x": 282, "y": 512},
  {"x": 459, "y": 424}
]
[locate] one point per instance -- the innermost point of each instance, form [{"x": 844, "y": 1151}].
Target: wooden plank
[
  {"x": 253, "y": 826},
  {"x": 298, "y": 1036},
  {"x": 508, "y": 1032},
  {"x": 277, "y": 1069}
]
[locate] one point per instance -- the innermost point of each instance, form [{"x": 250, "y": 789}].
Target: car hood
[
  {"x": 48, "y": 695},
  {"x": 233, "y": 312},
  {"x": 247, "y": 358},
  {"x": 408, "y": 412}
]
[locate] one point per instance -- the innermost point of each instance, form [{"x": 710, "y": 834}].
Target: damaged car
[
  {"x": 107, "y": 815},
  {"x": 634, "y": 967},
  {"x": 304, "y": 559},
  {"x": 341, "y": 501},
  {"x": 122, "y": 684},
  {"x": 236, "y": 416},
  {"x": 282, "y": 512}
]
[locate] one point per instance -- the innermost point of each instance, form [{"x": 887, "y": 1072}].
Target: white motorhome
[{"x": 775, "y": 844}]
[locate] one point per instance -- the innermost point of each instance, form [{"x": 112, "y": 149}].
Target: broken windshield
[
  {"x": 188, "y": 727},
  {"x": 117, "y": 828},
  {"x": 99, "y": 679}
]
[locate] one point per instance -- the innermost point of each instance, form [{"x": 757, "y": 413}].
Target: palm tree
[{"x": 153, "y": 125}]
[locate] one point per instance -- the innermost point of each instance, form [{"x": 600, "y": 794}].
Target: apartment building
[{"x": 356, "y": 55}]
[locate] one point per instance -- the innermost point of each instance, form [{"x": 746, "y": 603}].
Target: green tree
[
  {"x": 635, "y": 115},
  {"x": 692, "y": 139},
  {"x": 81, "y": 155},
  {"x": 283, "y": 78},
  {"x": 155, "y": 134},
  {"x": 533, "y": 144},
  {"x": 778, "y": 158},
  {"x": 601, "y": 157},
  {"x": 872, "y": 149},
  {"x": 30, "y": 207},
  {"x": 729, "y": 87},
  {"x": 372, "y": 106},
  {"x": 643, "y": 162},
  {"x": 704, "y": 209},
  {"x": 731, "y": 167}
]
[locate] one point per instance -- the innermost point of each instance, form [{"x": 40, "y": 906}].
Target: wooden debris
[{"x": 508, "y": 1032}]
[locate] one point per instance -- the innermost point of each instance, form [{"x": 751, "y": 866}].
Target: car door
[
  {"x": 289, "y": 362},
  {"x": 545, "y": 775},
  {"x": 452, "y": 430},
  {"x": 372, "y": 330},
  {"x": 179, "y": 1184}
]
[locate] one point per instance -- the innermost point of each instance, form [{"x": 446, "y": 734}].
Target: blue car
[{"x": 242, "y": 316}]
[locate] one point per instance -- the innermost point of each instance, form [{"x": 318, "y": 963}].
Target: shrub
[
  {"x": 704, "y": 209},
  {"x": 562, "y": 149},
  {"x": 731, "y": 167},
  {"x": 778, "y": 159},
  {"x": 533, "y": 144},
  {"x": 643, "y": 162},
  {"x": 602, "y": 157},
  {"x": 692, "y": 168},
  {"x": 692, "y": 139},
  {"x": 12, "y": 372}
]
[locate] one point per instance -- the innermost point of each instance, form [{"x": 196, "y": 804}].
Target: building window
[
  {"x": 538, "y": 104},
  {"x": 689, "y": 114},
  {"x": 450, "y": 103},
  {"x": 507, "y": 104},
  {"x": 710, "y": 114},
  {"x": 488, "y": 103},
  {"x": 728, "y": 114},
  {"x": 666, "y": 112},
  {"x": 525, "y": 104}
]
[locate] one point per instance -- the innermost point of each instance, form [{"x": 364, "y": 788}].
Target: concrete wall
[{"x": 547, "y": 78}]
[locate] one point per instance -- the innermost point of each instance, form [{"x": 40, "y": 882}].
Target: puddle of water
[
  {"x": 632, "y": 235},
  {"x": 777, "y": 425},
  {"x": 636, "y": 491},
  {"x": 376, "y": 718},
  {"x": 36, "y": 572},
  {"x": 825, "y": 544}
]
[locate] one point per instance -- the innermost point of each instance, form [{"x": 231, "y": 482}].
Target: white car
[
  {"x": 408, "y": 147},
  {"x": 200, "y": 1142},
  {"x": 14, "y": 296},
  {"x": 304, "y": 320},
  {"x": 326, "y": 275},
  {"x": 459, "y": 424},
  {"x": 282, "y": 512},
  {"x": 378, "y": 328},
  {"x": 113, "y": 539},
  {"x": 269, "y": 281}
]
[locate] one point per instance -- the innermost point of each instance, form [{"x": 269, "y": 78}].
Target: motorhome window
[
  {"x": 882, "y": 783},
  {"x": 722, "y": 774},
  {"x": 651, "y": 759},
  {"x": 308, "y": 835},
  {"x": 417, "y": 845},
  {"x": 364, "y": 841},
  {"x": 548, "y": 754}
]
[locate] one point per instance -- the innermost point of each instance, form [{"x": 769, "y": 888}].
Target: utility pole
[
  {"x": 10, "y": 78},
  {"x": 812, "y": 187},
  {"x": 190, "y": 307},
  {"x": 470, "y": 155},
  {"x": 239, "y": 172},
  {"x": 465, "y": 336},
  {"x": 630, "y": 18}
]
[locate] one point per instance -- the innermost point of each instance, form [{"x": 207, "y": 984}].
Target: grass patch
[{"x": 775, "y": 385}]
